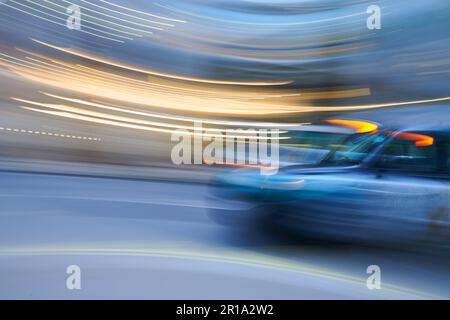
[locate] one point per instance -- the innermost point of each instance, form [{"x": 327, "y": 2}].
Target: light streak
[
  {"x": 49, "y": 134},
  {"x": 155, "y": 73}
]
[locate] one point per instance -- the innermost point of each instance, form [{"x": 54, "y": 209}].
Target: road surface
[{"x": 139, "y": 239}]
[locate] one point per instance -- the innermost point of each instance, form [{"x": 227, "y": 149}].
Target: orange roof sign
[
  {"x": 421, "y": 140},
  {"x": 357, "y": 125}
]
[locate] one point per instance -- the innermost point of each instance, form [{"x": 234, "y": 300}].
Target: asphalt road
[{"x": 153, "y": 240}]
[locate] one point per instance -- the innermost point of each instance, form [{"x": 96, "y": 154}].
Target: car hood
[{"x": 286, "y": 179}]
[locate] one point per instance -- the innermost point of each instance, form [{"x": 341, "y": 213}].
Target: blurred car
[
  {"x": 390, "y": 186},
  {"x": 310, "y": 144}
]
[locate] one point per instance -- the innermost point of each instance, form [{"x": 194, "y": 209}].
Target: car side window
[
  {"x": 409, "y": 152},
  {"x": 445, "y": 155}
]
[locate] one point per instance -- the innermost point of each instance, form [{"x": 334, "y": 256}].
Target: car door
[{"x": 405, "y": 189}]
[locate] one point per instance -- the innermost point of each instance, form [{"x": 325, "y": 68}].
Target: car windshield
[
  {"x": 314, "y": 140},
  {"x": 354, "y": 149}
]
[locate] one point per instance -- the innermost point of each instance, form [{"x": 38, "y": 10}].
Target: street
[{"x": 136, "y": 239}]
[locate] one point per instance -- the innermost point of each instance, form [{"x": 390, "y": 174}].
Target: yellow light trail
[
  {"x": 155, "y": 73},
  {"x": 153, "y": 86},
  {"x": 70, "y": 80},
  {"x": 140, "y": 127},
  {"x": 15, "y": 63},
  {"x": 99, "y": 85},
  {"x": 153, "y": 115},
  {"x": 61, "y": 71},
  {"x": 184, "y": 90},
  {"x": 127, "y": 119}
]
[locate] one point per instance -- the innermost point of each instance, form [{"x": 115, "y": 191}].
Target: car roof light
[
  {"x": 421, "y": 140},
  {"x": 358, "y": 125}
]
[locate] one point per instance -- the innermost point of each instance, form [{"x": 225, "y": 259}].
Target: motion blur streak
[
  {"x": 229, "y": 123},
  {"x": 115, "y": 64},
  {"x": 62, "y": 24},
  {"x": 247, "y": 132},
  {"x": 50, "y": 134},
  {"x": 200, "y": 253},
  {"x": 128, "y": 9},
  {"x": 79, "y": 114},
  {"x": 111, "y": 22}
]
